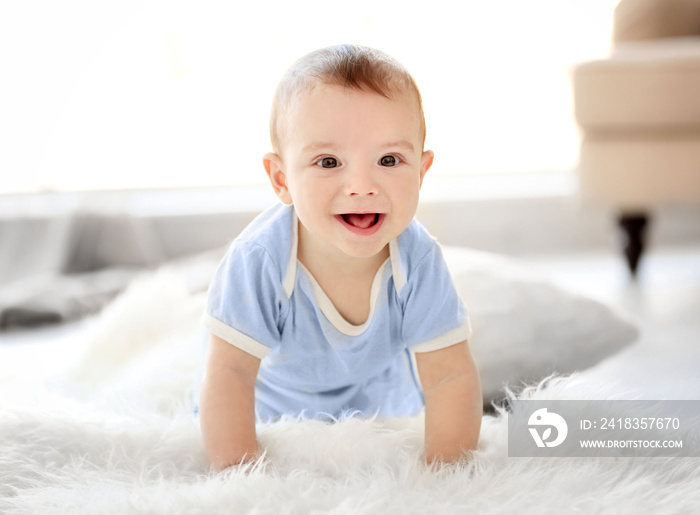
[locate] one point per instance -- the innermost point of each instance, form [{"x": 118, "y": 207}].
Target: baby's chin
[{"x": 366, "y": 251}]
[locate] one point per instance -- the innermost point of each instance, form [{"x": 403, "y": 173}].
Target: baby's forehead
[
  {"x": 296, "y": 101},
  {"x": 300, "y": 99}
]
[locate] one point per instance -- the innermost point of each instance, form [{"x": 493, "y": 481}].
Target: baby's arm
[
  {"x": 227, "y": 405},
  {"x": 453, "y": 402}
]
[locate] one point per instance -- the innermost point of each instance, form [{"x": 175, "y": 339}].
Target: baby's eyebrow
[
  {"x": 405, "y": 144},
  {"x": 321, "y": 145},
  {"x": 318, "y": 145}
]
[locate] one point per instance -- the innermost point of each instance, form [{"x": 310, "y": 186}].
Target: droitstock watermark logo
[
  {"x": 604, "y": 428},
  {"x": 546, "y": 421}
]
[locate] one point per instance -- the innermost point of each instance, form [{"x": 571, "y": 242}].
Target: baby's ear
[
  {"x": 426, "y": 162},
  {"x": 274, "y": 166}
]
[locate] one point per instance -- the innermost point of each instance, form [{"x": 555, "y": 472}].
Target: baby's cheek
[{"x": 408, "y": 200}]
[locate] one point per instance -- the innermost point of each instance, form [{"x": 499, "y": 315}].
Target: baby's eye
[
  {"x": 389, "y": 160},
  {"x": 328, "y": 162}
]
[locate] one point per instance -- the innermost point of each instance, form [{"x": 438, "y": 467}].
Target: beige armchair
[{"x": 639, "y": 114}]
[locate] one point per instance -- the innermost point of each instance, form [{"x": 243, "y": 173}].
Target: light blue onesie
[{"x": 314, "y": 362}]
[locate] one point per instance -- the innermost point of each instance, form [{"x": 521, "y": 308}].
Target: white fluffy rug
[{"x": 113, "y": 434}]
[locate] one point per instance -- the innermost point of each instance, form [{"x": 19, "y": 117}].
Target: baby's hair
[{"x": 350, "y": 66}]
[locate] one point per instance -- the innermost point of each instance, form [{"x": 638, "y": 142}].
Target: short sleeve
[
  {"x": 246, "y": 300},
  {"x": 434, "y": 315}
]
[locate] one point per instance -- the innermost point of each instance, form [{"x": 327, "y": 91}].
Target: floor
[{"x": 664, "y": 300}]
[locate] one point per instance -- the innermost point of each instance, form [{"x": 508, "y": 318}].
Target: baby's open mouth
[{"x": 361, "y": 220}]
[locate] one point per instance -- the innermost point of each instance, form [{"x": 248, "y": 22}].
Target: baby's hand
[{"x": 249, "y": 464}]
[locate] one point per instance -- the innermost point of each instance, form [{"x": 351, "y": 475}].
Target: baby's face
[{"x": 353, "y": 163}]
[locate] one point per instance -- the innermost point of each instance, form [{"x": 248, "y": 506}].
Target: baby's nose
[{"x": 361, "y": 182}]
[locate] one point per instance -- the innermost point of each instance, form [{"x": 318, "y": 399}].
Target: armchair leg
[{"x": 633, "y": 227}]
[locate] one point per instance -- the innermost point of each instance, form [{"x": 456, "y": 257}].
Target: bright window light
[{"x": 130, "y": 94}]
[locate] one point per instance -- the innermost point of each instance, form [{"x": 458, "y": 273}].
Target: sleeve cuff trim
[
  {"x": 446, "y": 340},
  {"x": 234, "y": 337}
]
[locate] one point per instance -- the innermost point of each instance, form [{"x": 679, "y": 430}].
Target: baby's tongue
[{"x": 362, "y": 221}]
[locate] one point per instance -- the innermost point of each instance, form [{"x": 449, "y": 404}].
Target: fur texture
[
  {"x": 65, "y": 456},
  {"x": 114, "y": 434}
]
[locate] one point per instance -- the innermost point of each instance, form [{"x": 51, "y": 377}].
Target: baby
[{"x": 337, "y": 301}]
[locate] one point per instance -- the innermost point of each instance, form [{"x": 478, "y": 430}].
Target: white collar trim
[
  {"x": 291, "y": 272},
  {"x": 396, "y": 265},
  {"x": 290, "y": 276},
  {"x": 331, "y": 312}
]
